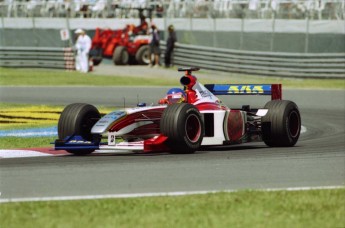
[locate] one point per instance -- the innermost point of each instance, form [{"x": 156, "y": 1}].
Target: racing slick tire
[
  {"x": 281, "y": 126},
  {"x": 120, "y": 56},
  {"x": 183, "y": 125},
  {"x": 78, "y": 119},
  {"x": 143, "y": 55},
  {"x": 96, "y": 56}
]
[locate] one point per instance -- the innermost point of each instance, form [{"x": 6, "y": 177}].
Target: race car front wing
[{"x": 77, "y": 142}]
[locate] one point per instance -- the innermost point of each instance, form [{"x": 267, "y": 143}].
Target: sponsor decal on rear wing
[{"x": 275, "y": 90}]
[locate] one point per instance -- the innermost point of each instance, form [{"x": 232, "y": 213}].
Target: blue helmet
[{"x": 176, "y": 95}]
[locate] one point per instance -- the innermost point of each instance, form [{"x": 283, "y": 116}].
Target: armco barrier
[
  {"x": 325, "y": 65},
  {"x": 37, "y": 57}
]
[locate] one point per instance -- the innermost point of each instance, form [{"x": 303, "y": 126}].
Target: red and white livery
[{"x": 201, "y": 120}]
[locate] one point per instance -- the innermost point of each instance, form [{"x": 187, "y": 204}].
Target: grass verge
[
  {"x": 27, "y": 142},
  {"x": 39, "y": 77},
  {"x": 314, "y": 208}
]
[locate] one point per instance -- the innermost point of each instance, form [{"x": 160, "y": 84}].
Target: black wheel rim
[
  {"x": 193, "y": 128},
  {"x": 294, "y": 124}
]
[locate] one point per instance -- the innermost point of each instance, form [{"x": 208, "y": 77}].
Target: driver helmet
[{"x": 176, "y": 95}]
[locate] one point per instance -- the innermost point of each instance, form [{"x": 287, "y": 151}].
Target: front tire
[
  {"x": 120, "y": 56},
  {"x": 281, "y": 126},
  {"x": 78, "y": 119},
  {"x": 184, "y": 127}
]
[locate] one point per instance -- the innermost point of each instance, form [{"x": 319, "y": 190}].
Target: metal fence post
[
  {"x": 242, "y": 31},
  {"x": 190, "y": 23},
  {"x": 306, "y": 43},
  {"x": 34, "y": 31},
  {"x": 69, "y": 30},
  {"x": 273, "y": 31},
  {"x": 165, "y": 28},
  {"x": 2, "y": 38},
  {"x": 214, "y": 32}
]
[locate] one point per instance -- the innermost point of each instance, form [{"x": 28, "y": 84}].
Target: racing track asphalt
[{"x": 318, "y": 159}]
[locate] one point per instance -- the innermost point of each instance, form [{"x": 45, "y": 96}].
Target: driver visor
[{"x": 175, "y": 98}]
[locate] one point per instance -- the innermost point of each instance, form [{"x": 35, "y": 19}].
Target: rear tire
[
  {"x": 281, "y": 126},
  {"x": 120, "y": 56},
  {"x": 143, "y": 55},
  {"x": 78, "y": 119},
  {"x": 183, "y": 125}
]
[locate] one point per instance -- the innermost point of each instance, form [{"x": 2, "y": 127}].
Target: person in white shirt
[{"x": 83, "y": 46}]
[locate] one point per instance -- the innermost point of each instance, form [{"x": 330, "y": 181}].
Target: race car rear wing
[{"x": 275, "y": 90}]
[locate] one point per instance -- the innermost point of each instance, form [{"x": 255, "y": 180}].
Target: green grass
[
  {"x": 39, "y": 77},
  {"x": 30, "y": 142},
  {"x": 315, "y": 208}
]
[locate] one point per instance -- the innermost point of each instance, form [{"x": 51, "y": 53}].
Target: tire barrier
[
  {"x": 37, "y": 57},
  {"x": 311, "y": 65},
  {"x": 69, "y": 59}
]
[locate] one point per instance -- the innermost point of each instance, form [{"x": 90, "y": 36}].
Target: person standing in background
[
  {"x": 154, "y": 47},
  {"x": 83, "y": 46},
  {"x": 170, "y": 46}
]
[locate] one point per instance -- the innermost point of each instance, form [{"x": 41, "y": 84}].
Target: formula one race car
[{"x": 183, "y": 122}]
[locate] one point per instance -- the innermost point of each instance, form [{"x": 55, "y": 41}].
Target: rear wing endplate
[{"x": 275, "y": 90}]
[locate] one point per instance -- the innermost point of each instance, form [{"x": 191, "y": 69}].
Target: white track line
[
  {"x": 138, "y": 195},
  {"x": 21, "y": 153}
]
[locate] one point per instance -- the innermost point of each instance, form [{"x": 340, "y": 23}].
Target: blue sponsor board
[{"x": 239, "y": 89}]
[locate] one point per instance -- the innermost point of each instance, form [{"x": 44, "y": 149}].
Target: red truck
[{"x": 125, "y": 46}]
